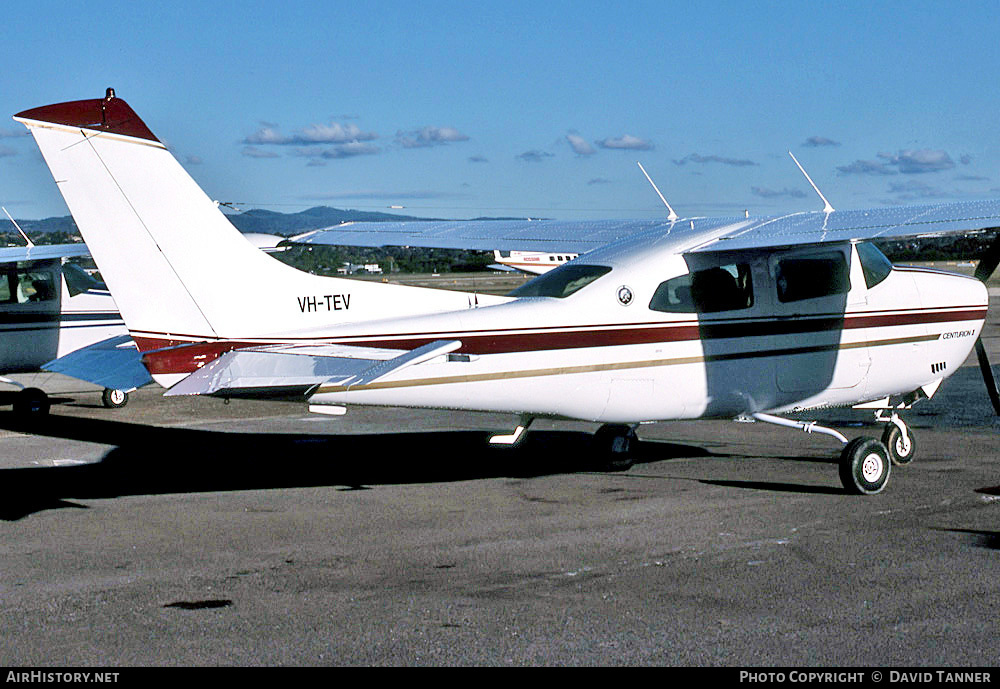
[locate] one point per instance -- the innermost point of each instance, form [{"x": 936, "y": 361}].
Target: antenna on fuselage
[
  {"x": 672, "y": 216},
  {"x": 29, "y": 242},
  {"x": 827, "y": 208}
]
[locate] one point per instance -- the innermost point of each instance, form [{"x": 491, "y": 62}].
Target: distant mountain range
[{"x": 256, "y": 220}]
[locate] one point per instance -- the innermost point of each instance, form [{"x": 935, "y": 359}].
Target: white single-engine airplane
[
  {"x": 738, "y": 318},
  {"x": 54, "y": 316},
  {"x": 532, "y": 262}
]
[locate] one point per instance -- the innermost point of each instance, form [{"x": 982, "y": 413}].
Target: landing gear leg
[
  {"x": 898, "y": 438},
  {"x": 514, "y": 437},
  {"x": 864, "y": 462},
  {"x": 614, "y": 445}
]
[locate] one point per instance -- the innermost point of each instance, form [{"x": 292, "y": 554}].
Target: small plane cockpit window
[
  {"x": 35, "y": 286},
  {"x": 26, "y": 286},
  {"x": 874, "y": 264},
  {"x": 6, "y": 293},
  {"x": 722, "y": 288},
  {"x": 561, "y": 282},
  {"x": 812, "y": 277}
]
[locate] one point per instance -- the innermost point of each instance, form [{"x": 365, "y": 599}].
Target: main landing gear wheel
[
  {"x": 613, "y": 447},
  {"x": 902, "y": 446},
  {"x": 114, "y": 399},
  {"x": 31, "y": 403},
  {"x": 865, "y": 466}
]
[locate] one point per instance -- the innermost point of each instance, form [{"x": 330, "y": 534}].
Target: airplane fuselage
[{"x": 628, "y": 348}]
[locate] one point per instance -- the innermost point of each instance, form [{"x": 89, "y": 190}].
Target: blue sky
[{"x": 462, "y": 109}]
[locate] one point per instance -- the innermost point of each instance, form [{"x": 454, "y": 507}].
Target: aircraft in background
[
  {"x": 51, "y": 310},
  {"x": 533, "y": 262},
  {"x": 694, "y": 318}
]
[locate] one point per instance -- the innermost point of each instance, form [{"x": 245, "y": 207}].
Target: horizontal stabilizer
[
  {"x": 416, "y": 356},
  {"x": 292, "y": 371},
  {"x": 114, "y": 363}
]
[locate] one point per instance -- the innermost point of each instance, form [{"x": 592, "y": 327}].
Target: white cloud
[
  {"x": 865, "y": 167},
  {"x": 766, "y": 193},
  {"x": 626, "y": 142},
  {"x": 817, "y": 141},
  {"x": 254, "y": 152},
  {"x": 534, "y": 156},
  {"x": 911, "y": 162},
  {"x": 332, "y": 133},
  {"x": 580, "y": 145},
  {"x": 429, "y": 136},
  {"x": 697, "y": 158}
]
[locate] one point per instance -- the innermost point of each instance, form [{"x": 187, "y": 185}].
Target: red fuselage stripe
[{"x": 166, "y": 354}]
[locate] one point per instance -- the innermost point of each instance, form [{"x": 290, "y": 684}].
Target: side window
[
  {"x": 722, "y": 288},
  {"x": 6, "y": 293},
  {"x": 35, "y": 286},
  {"x": 811, "y": 277}
]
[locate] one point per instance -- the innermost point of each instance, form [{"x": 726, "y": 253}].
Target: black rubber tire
[
  {"x": 114, "y": 399},
  {"x": 614, "y": 445},
  {"x": 31, "y": 403},
  {"x": 892, "y": 438},
  {"x": 865, "y": 466}
]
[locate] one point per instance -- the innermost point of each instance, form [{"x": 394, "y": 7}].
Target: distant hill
[
  {"x": 272, "y": 222},
  {"x": 255, "y": 220}
]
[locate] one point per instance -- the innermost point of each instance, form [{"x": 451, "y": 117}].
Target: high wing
[
  {"x": 575, "y": 236},
  {"x": 42, "y": 252},
  {"x": 698, "y": 234}
]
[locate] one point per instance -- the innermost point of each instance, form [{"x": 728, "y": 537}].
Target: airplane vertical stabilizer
[{"x": 178, "y": 269}]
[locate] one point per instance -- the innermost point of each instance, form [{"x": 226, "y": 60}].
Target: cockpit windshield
[
  {"x": 875, "y": 265},
  {"x": 562, "y": 281}
]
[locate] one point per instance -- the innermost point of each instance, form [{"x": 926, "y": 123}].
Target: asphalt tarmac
[{"x": 180, "y": 532}]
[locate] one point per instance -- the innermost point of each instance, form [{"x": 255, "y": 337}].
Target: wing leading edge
[{"x": 698, "y": 234}]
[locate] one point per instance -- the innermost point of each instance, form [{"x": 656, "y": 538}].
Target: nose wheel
[
  {"x": 898, "y": 439},
  {"x": 900, "y": 443}
]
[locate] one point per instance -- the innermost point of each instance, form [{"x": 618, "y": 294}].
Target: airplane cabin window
[
  {"x": 35, "y": 286},
  {"x": 561, "y": 282},
  {"x": 874, "y": 264},
  {"x": 812, "y": 277},
  {"x": 6, "y": 294},
  {"x": 722, "y": 288}
]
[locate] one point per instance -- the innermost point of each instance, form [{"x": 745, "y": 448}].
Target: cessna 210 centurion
[{"x": 684, "y": 318}]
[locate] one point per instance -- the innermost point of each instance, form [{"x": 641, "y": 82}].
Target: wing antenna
[
  {"x": 29, "y": 242},
  {"x": 673, "y": 216},
  {"x": 827, "y": 208}
]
